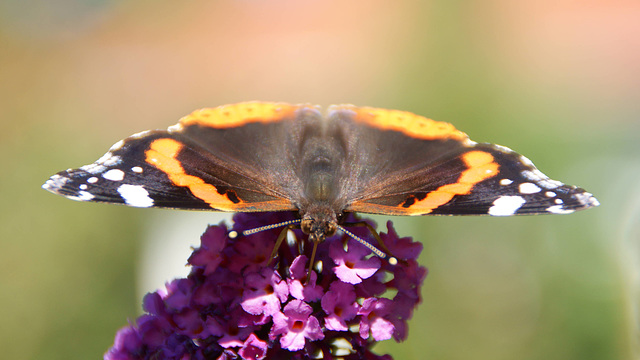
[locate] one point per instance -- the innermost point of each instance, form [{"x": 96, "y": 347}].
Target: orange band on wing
[
  {"x": 480, "y": 166},
  {"x": 410, "y": 124},
  {"x": 235, "y": 115},
  {"x": 162, "y": 154}
]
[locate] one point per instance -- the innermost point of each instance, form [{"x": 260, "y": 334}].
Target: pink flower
[
  {"x": 253, "y": 348},
  {"x": 265, "y": 292},
  {"x": 340, "y": 305},
  {"x": 352, "y": 266},
  {"x": 403, "y": 248},
  {"x": 296, "y": 325},
  {"x": 235, "y": 302},
  {"x": 209, "y": 254},
  {"x": 299, "y": 287},
  {"x": 373, "y": 312}
]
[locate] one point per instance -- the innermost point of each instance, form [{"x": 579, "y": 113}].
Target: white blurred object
[{"x": 167, "y": 244}]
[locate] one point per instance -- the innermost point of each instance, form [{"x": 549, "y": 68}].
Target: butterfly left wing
[
  {"x": 417, "y": 166},
  {"x": 206, "y": 161}
]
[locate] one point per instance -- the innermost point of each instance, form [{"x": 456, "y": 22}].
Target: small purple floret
[
  {"x": 373, "y": 319},
  {"x": 264, "y": 293},
  {"x": 295, "y": 325},
  {"x": 301, "y": 287},
  {"x": 209, "y": 255},
  {"x": 253, "y": 348},
  {"x": 352, "y": 264},
  {"x": 237, "y": 303},
  {"x": 340, "y": 305}
]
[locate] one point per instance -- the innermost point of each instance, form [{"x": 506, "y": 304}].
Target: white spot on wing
[
  {"x": 82, "y": 196},
  {"x": 135, "y": 195},
  {"x": 136, "y": 169},
  {"x": 83, "y": 186},
  {"x": 92, "y": 180},
  {"x": 117, "y": 146},
  {"x": 534, "y": 175},
  {"x": 541, "y": 179},
  {"x": 504, "y": 149},
  {"x": 550, "y": 184},
  {"x": 94, "y": 168},
  {"x": 111, "y": 161},
  {"x": 108, "y": 159},
  {"x": 85, "y": 195},
  {"x": 48, "y": 185},
  {"x": 104, "y": 158},
  {"x": 114, "y": 175},
  {"x": 529, "y": 188},
  {"x": 506, "y": 205},
  {"x": 557, "y": 209},
  {"x": 550, "y": 194},
  {"x": 587, "y": 199},
  {"x": 140, "y": 134},
  {"x": 506, "y": 182},
  {"x": 55, "y": 182},
  {"x": 525, "y": 160}
]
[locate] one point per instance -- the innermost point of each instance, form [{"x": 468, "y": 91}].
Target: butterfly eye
[
  {"x": 331, "y": 229},
  {"x": 305, "y": 225}
]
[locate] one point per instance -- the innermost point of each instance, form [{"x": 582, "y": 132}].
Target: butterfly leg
[
  {"x": 313, "y": 257},
  {"x": 281, "y": 237}
]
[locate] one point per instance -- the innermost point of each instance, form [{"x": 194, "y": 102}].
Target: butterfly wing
[
  {"x": 245, "y": 157},
  {"x": 212, "y": 159},
  {"x": 409, "y": 165}
]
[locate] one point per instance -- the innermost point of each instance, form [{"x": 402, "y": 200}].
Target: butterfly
[{"x": 264, "y": 156}]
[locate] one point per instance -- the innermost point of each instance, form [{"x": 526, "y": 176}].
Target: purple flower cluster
[{"x": 238, "y": 304}]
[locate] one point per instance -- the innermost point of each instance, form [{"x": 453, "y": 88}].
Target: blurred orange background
[{"x": 558, "y": 81}]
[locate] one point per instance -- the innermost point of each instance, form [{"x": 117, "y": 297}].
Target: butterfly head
[{"x": 319, "y": 223}]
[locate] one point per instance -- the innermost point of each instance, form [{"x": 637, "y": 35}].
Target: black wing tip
[
  {"x": 581, "y": 200},
  {"x": 569, "y": 199},
  {"x": 59, "y": 184},
  {"x": 56, "y": 184},
  {"x": 559, "y": 200}
]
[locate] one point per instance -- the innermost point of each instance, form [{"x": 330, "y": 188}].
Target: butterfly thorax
[
  {"x": 320, "y": 204},
  {"x": 322, "y": 156}
]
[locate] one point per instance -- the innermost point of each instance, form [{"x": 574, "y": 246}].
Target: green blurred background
[{"x": 558, "y": 81}]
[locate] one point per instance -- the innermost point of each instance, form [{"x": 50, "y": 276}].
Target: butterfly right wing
[{"x": 405, "y": 164}]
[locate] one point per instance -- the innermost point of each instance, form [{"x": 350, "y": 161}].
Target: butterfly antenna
[
  {"x": 269, "y": 227},
  {"x": 392, "y": 260}
]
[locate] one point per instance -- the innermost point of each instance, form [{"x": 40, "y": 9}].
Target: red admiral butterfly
[{"x": 261, "y": 156}]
